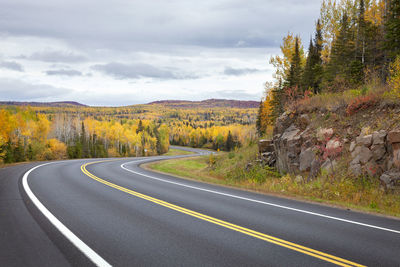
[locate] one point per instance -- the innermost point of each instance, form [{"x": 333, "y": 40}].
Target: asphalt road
[{"x": 114, "y": 212}]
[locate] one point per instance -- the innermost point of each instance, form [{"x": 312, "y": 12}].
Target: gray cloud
[
  {"x": 238, "y": 72},
  {"x": 11, "y": 65},
  {"x": 129, "y": 24},
  {"x": 64, "y": 72},
  {"x": 138, "y": 70},
  {"x": 56, "y": 56},
  {"x": 237, "y": 94},
  {"x": 13, "y": 89}
]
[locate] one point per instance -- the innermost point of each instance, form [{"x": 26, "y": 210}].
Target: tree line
[
  {"x": 355, "y": 42},
  {"x": 27, "y": 134}
]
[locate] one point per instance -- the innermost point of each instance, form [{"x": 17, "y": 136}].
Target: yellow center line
[{"x": 265, "y": 237}]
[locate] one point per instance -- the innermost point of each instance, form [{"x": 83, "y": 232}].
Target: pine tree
[
  {"x": 9, "y": 153},
  {"x": 30, "y": 154},
  {"x": 19, "y": 151},
  {"x": 342, "y": 53},
  {"x": 229, "y": 142},
  {"x": 392, "y": 29},
  {"x": 259, "y": 127},
  {"x": 308, "y": 74},
  {"x": 140, "y": 127},
  {"x": 313, "y": 69},
  {"x": 294, "y": 77},
  {"x": 277, "y": 102},
  {"x": 317, "y": 58}
]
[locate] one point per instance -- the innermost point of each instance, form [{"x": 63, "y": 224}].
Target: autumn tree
[{"x": 282, "y": 63}]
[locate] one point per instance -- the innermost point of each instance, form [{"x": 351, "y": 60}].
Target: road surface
[{"x": 112, "y": 212}]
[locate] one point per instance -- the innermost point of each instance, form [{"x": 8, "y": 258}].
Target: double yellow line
[{"x": 268, "y": 238}]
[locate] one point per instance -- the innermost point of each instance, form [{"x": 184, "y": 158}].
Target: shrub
[
  {"x": 361, "y": 103},
  {"x": 56, "y": 149}
]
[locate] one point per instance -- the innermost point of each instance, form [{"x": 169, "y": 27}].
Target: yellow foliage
[
  {"x": 92, "y": 131},
  {"x": 266, "y": 116},
  {"x": 42, "y": 128},
  {"x": 394, "y": 80},
  {"x": 282, "y": 63},
  {"x": 57, "y": 149},
  {"x": 112, "y": 153},
  {"x": 374, "y": 12}
]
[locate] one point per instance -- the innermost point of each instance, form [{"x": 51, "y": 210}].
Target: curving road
[{"x": 112, "y": 212}]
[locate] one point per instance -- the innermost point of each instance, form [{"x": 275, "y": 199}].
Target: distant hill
[
  {"x": 209, "y": 103},
  {"x": 44, "y": 104}
]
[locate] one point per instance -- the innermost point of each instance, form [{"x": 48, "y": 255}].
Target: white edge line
[
  {"x": 259, "y": 201},
  {"x": 85, "y": 249}
]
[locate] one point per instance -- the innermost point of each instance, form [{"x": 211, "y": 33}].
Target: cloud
[
  {"x": 64, "y": 72},
  {"x": 238, "y": 72},
  {"x": 129, "y": 24},
  {"x": 238, "y": 94},
  {"x": 138, "y": 70},
  {"x": 56, "y": 56},
  {"x": 11, "y": 65},
  {"x": 13, "y": 89}
]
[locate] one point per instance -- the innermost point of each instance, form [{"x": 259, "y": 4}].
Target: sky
[{"x": 124, "y": 52}]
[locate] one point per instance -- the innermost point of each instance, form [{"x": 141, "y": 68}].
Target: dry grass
[{"x": 337, "y": 100}]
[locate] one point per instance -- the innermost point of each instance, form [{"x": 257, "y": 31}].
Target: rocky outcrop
[
  {"x": 287, "y": 149},
  {"x": 299, "y": 149},
  {"x": 391, "y": 177},
  {"x": 375, "y": 155},
  {"x": 267, "y": 152},
  {"x": 394, "y": 140},
  {"x": 307, "y": 156}
]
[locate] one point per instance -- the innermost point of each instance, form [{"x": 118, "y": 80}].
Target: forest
[
  {"x": 354, "y": 56},
  {"x": 46, "y": 132}
]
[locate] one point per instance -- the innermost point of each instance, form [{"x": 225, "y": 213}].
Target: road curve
[{"x": 130, "y": 216}]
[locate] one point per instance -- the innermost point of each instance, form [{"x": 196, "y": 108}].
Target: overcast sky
[{"x": 124, "y": 52}]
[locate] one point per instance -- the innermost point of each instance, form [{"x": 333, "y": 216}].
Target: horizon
[{"x": 27, "y": 103}]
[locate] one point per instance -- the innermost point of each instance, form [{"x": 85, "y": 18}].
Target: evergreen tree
[
  {"x": 9, "y": 153},
  {"x": 308, "y": 74},
  {"x": 140, "y": 127},
  {"x": 277, "y": 102},
  {"x": 19, "y": 154},
  {"x": 342, "y": 53},
  {"x": 259, "y": 128},
  {"x": 295, "y": 71},
  {"x": 317, "y": 58},
  {"x": 392, "y": 29},
  {"x": 30, "y": 154},
  {"x": 230, "y": 144}
]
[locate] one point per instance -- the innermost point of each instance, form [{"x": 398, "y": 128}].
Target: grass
[
  {"x": 177, "y": 152},
  {"x": 229, "y": 169},
  {"x": 194, "y": 168}
]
